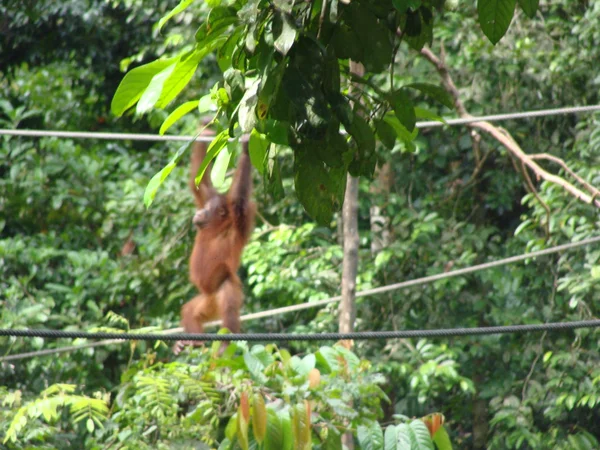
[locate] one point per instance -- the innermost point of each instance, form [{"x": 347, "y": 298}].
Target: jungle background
[{"x": 79, "y": 250}]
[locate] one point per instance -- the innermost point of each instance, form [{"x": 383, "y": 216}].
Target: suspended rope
[
  {"x": 286, "y": 337},
  {"x": 171, "y": 138},
  {"x": 303, "y": 306}
]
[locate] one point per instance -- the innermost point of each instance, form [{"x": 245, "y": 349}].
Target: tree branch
[{"x": 504, "y": 138}]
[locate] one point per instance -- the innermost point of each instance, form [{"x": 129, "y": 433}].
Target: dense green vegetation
[{"x": 68, "y": 209}]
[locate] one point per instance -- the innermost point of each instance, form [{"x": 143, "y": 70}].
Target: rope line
[
  {"x": 302, "y": 306},
  {"x": 171, "y": 138},
  {"x": 285, "y": 337}
]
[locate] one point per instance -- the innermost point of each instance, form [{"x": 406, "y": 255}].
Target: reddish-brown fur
[{"x": 224, "y": 223}]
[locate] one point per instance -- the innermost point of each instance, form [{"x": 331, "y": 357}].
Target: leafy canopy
[{"x": 285, "y": 77}]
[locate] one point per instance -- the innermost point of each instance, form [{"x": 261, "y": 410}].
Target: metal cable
[
  {"x": 285, "y": 337},
  {"x": 302, "y": 306},
  {"x": 169, "y": 138}
]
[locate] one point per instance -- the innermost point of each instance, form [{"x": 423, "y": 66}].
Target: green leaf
[
  {"x": 286, "y": 427},
  {"x": 529, "y": 7},
  {"x": 403, "y": 108},
  {"x": 404, "y": 437},
  {"x": 406, "y": 136},
  {"x": 160, "y": 177},
  {"x": 181, "y": 76},
  {"x": 183, "y": 4},
  {"x": 320, "y": 191},
  {"x": 258, "y": 145},
  {"x": 213, "y": 150},
  {"x": 365, "y": 159},
  {"x": 274, "y": 435},
  {"x": 179, "y": 112},
  {"x": 154, "y": 90},
  {"x": 284, "y": 41},
  {"x": 373, "y": 36},
  {"x": 247, "y": 108},
  {"x": 386, "y": 133},
  {"x": 135, "y": 83},
  {"x": 420, "y": 437},
  {"x": 370, "y": 436},
  {"x": 595, "y": 272},
  {"x": 495, "y": 17},
  {"x": 442, "y": 440},
  {"x": 89, "y": 424},
  {"x": 259, "y": 418},
  {"x": 435, "y": 92},
  {"x": 391, "y": 438},
  {"x": 219, "y": 169},
  {"x": 205, "y": 104},
  {"x": 418, "y": 27},
  {"x": 421, "y": 113}
]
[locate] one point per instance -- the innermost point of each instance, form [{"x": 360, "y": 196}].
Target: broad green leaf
[
  {"x": 405, "y": 441},
  {"x": 428, "y": 115},
  {"x": 595, "y": 272},
  {"x": 219, "y": 168},
  {"x": 321, "y": 191},
  {"x": 213, "y": 150},
  {"x": 327, "y": 360},
  {"x": 495, "y": 17},
  {"x": 259, "y": 418},
  {"x": 247, "y": 114},
  {"x": 154, "y": 90},
  {"x": 258, "y": 144},
  {"x": 134, "y": 84},
  {"x": 183, "y": 4},
  {"x": 373, "y": 37},
  {"x": 386, "y": 133},
  {"x": 284, "y": 41},
  {"x": 406, "y": 136},
  {"x": 418, "y": 27},
  {"x": 231, "y": 428},
  {"x": 370, "y": 436},
  {"x": 420, "y": 437},
  {"x": 180, "y": 77},
  {"x": 286, "y": 427},
  {"x": 179, "y": 112},
  {"x": 403, "y": 108},
  {"x": 529, "y": 7},
  {"x": 391, "y": 438},
  {"x": 442, "y": 440},
  {"x": 255, "y": 366},
  {"x": 274, "y": 435},
  {"x": 435, "y": 92},
  {"x": 160, "y": 177},
  {"x": 365, "y": 158},
  {"x": 206, "y": 104}
]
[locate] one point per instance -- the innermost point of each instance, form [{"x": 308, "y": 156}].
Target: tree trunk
[
  {"x": 380, "y": 223},
  {"x": 350, "y": 263}
]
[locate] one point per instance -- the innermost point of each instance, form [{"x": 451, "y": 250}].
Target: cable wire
[
  {"x": 303, "y": 306},
  {"x": 170, "y": 138},
  {"x": 286, "y": 337}
]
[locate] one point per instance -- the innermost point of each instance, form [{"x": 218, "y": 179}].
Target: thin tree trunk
[{"x": 350, "y": 263}]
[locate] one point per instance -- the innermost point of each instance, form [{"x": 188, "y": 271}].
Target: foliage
[
  {"x": 250, "y": 396},
  {"x": 285, "y": 77}
]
